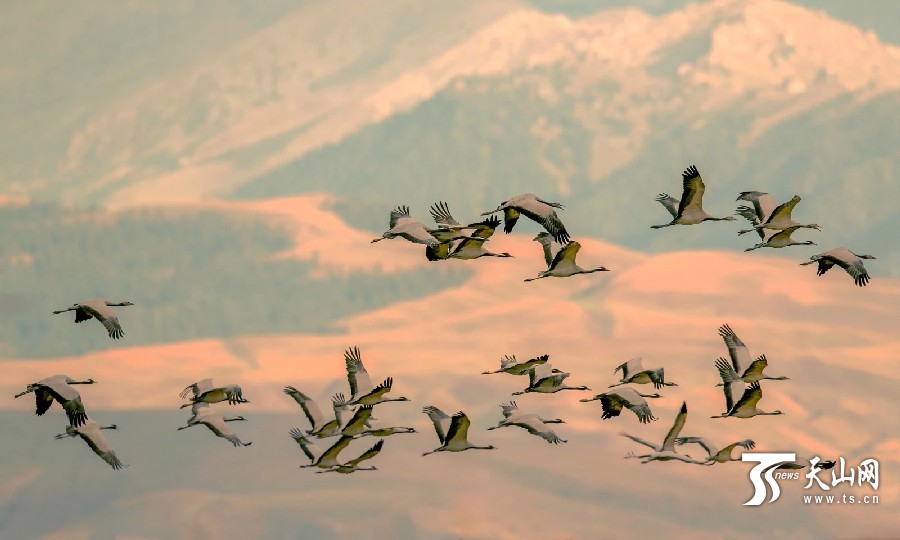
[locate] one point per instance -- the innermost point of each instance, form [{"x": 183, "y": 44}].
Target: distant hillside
[
  {"x": 190, "y": 275},
  {"x": 486, "y": 140}
]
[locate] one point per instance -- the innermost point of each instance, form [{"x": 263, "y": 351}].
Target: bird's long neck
[
  {"x": 28, "y": 391},
  {"x": 113, "y": 426},
  {"x": 235, "y": 419},
  {"x": 82, "y": 382},
  {"x": 598, "y": 269},
  {"x": 481, "y": 447},
  {"x": 776, "y": 378}
]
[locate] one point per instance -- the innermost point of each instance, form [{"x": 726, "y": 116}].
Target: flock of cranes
[
  {"x": 450, "y": 239},
  {"x": 740, "y": 377},
  {"x": 353, "y": 416}
]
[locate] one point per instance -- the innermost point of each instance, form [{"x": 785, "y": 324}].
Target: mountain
[
  {"x": 213, "y": 271},
  {"x": 605, "y": 109}
]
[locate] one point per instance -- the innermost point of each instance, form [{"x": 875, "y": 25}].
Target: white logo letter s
[{"x": 765, "y": 460}]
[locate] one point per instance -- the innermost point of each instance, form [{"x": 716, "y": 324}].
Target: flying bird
[
  {"x": 446, "y": 222},
  {"x": 91, "y": 434},
  {"x": 482, "y": 230},
  {"x": 318, "y": 426},
  {"x": 752, "y": 374},
  {"x": 231, "y": 393},
  {"x": 633, "y": 372},
  {"x": 746, "y": 406},
  {"x": 362, "y": 391},
  {"x": 376, "y": 395},
  {"x": 715, "y": 455},
  {"x": 782, "y": 239},
  {"x": 357, "y": 424},
  {"x": 563, "y": 264},
  {"x": 535, "y": 209},
  {"x": 353, "y": 465},
  {"x": 402, "y": 225},
  {"x": 98, "y": 309},
  {"x": 205, "y": 415},
  {"x": 615, "y": 400},
  {"x": 58, "y": 388},
  {"x": 387, "y": 431},
  {"x": 451, "y": 432},
  {"x": 509, "y": 364},
  {"x": 534, "y": 424},
  {"x": 780, "y": 218},
  {"x": 846, "y": 259},
  {"x": 666, "y": 451},
  {"x": 317, "y": 458},
  {"x": 473, "y": 248},
  {"x": 544, "y": 380},
  {"x": 689, "y": 211}
]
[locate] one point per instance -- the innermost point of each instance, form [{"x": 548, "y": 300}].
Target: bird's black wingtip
[{"x": 690, "y": 173}]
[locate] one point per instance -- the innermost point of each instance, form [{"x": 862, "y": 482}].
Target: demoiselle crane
[
  {"x": 509, "y": 364},
  {"x": 402, "y": 225},
  {"x": 231, "y": 393},
  {"x": 690, "y": 208},
  {"x": 752, "y": 374},
  {"x": 534, "y": 424},
  {"x": 666, "y": 451},
  {"x": 323, "y": 460},
  {"x": 782, "y": 239},
  {"x": 633, "y": 372},
  {"x": 58, "y": 388},
  {"x": 781, "y": 219},
  {"x": 216, "y": 422},
  {"x": 543, "y": 380},
  {"x": 538, "y": 210},
  {"x": 91, "y": 434},
  {"x": 846, "y": 259},
  {"x": 614, "y": 401},
  {"x": 353, "y": 465},
  {"x": 99, "y": 309},
  {"x": 746, "y": 406},
  {"x": 563, "y": 264},
  {"x": 714, "y": 454},
  {"x": 452, "y": 432},
  {"x": 362, "y": 391}
]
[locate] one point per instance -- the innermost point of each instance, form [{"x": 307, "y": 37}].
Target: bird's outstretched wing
[
  {"x": 669, "y": 202},
  {"x": 440, "y": 212},
  {"x": 357, "y": 376},
  {"x": 440, "y": 419},
  {"x": 692, "y": 190},
  {"x": 459, "y": 427},
  {"x": 368, "y": 454},
  {"x": 398, "y": 215}
]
